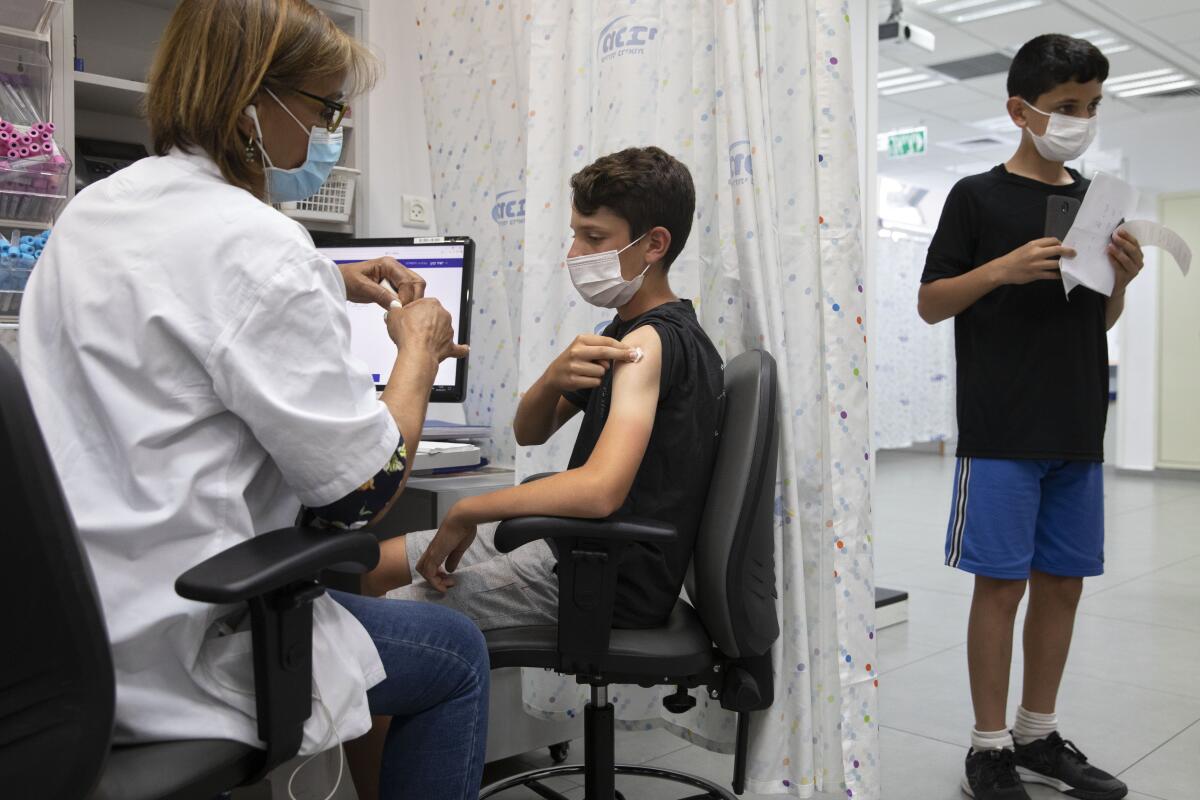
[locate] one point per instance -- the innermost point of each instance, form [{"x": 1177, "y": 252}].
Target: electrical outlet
[{"x": 417, "y": 211}]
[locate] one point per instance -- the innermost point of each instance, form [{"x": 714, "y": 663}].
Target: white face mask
[
  {"x": 598, "y": 277},
  {"x": 1066, "y": 137}
]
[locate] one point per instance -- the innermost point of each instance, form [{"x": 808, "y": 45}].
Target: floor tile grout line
[
  {"x": 686, "y": 745},
  {"x": 1161, "y": 746},
  {"x": 929, "y": 738},
  {"x": 1146, "y": 574},
  {"x": 885, "y": 673},
  {"x": 1127, "y": 685},
  {"x": 1175, "y": 628},
  {"x": 926, "y": 738}
]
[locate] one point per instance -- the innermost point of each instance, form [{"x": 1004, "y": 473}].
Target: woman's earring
[{"x": 251, "y": 150}]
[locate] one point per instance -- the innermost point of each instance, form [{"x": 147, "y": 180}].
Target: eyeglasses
[{"x": 332, "y": 114}]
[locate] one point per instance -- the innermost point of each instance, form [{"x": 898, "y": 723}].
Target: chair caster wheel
[{"x": 559, "y": 752}]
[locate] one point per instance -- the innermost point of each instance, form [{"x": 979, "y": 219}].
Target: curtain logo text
[
  {"x": 508, "y": 209},
  {"x": 741, "y": 163},
  {"x": 622, "y": 37}
]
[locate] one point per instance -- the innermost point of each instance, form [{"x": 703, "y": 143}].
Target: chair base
[{"x": 532, "y": 781}]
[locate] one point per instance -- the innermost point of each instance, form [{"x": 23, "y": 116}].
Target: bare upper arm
[{"x": 622, "y": 444}]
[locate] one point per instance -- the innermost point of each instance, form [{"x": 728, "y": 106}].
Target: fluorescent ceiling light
[
  {"x": 962, "y": 5},
  {"x": 1101, "y": 41},
  {"x": 1162, "y": 87},
  {"x": 996, "y": 11},
  {"x": 1116, "y": 48},
  {"x": 1174, "y": 76},
  {"x": 892, "y": 73},
  {"x": 1112, "y": 83},
  {"x": 913, "y": 87},
  {"x": 1088, "y": 34},
  {"x": 902, "y": 80}
]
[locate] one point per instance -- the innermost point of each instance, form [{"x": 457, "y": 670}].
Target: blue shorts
[{"x": 1010, "y": 516}]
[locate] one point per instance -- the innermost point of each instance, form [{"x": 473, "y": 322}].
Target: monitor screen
[{"x": 446, "y": 264}]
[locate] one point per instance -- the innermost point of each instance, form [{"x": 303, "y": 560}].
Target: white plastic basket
[{"x": 333, "y": 202}]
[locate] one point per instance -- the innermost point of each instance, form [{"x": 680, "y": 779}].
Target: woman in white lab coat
[{"x": 187, "y": 352}]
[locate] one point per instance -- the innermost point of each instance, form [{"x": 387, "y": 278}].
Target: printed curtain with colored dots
[{"x": 756, "y": 98}]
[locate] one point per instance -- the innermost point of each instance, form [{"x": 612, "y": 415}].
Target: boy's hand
[
  {"x": 1032, "y": 262},
  {"x": 1127, "y": 259},
  {"x": 446, "y": 549},
  {"x": 583, "y": 364}
]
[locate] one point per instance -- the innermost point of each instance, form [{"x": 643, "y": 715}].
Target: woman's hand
[
  {"x": 363, "y": 282},
  {"x": 424, "y": 326}
]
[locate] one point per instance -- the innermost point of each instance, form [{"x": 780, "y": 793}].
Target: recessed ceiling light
[
  {"x": 912, "y": 87},
  {"x": 962, "y": 5},
  {"x": 1162, "y": 87},
  {"x": 892, "y": 73},
  {"x": 996, "y": 11},
  {"x": 902, "y": 80},
  {"x": 1170, "y": 78},
  {"x": 1112, "y": 83}
]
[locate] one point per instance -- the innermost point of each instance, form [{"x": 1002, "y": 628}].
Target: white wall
[
  {"x": 399, "y": 147},
  {"x": 1137, "y": 370}
]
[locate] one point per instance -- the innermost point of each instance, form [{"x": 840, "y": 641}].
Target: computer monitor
[{"x": 447, "y": 264}]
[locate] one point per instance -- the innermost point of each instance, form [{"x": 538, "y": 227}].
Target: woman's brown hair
[{"x": 215, "y": 57}]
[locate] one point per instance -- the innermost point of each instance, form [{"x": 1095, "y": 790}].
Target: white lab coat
[{"x": 187, "y": 352}]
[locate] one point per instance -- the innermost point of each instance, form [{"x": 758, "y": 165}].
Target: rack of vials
[
  {"x": 18, "y": 256},
  {"x": 34, "y": 174}
]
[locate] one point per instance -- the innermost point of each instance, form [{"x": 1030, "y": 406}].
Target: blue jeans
[{"x": 436, "y": 692}]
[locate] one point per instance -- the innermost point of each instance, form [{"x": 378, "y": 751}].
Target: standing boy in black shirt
[
  {"x": 1028, "y": 504},
  {"x": 649, "y": 390}
]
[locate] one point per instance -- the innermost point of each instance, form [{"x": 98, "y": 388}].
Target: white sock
[
  {"x": 1032, "y": 726},
  {"x": 990, "y": 740}
]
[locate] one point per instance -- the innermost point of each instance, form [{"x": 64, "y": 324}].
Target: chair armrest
[
  {"x": 589, "y": 553},
  {"x": 276, "y": 575},
  {"x": 273, "y": 560},
  {"x": 513, "y": 533}
]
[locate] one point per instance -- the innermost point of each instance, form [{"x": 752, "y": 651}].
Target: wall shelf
[{"x": 109, "y": 95}]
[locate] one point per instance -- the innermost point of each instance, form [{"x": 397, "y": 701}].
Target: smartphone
[{"x": 1060, "y": 215}]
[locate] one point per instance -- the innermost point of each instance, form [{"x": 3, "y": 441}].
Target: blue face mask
[{"x": 301, "y": 183}]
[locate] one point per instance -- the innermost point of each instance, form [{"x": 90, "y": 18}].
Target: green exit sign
[{"x": 910, "y": 142}]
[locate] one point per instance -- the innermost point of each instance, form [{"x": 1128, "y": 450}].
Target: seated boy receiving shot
[{"x": 648, "y": 388}]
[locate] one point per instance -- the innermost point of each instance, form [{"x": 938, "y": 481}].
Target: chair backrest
[
  {"x": 57, "y": 690},
  {"x": 732, "y": 584}
]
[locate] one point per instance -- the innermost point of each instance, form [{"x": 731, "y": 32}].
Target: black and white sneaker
[
  {"x": 992, "y": 775},
  {"x": 1058, "y": 763}
]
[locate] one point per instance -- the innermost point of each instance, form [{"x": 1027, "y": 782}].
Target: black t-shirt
[
  {"x": 1032, "y": 366},
  {"x": 672, "y": 482}
]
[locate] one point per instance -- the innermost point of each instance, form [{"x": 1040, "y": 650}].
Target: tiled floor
[{"x": 1130, "y": 699}]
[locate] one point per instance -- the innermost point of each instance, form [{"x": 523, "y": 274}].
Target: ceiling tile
[
  {"x": 1176, "y": 28},
  {"x": 1013, "y": 30},
  {"x": 1148, "y": 9}
]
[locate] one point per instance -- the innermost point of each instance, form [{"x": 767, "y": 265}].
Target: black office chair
[
  {"x": 57, "y": 689},
  {"x": 732, "y": 584}
]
